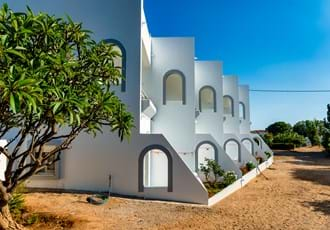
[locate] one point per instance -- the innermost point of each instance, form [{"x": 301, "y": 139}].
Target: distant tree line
[
  {"x": 282, "y": 135},
  {"x": 303, "y": 133}
]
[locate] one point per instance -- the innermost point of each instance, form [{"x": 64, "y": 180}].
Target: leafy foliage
[
  {"x": 310, "y": 128},
  {"x": 326, "y": 132},
  {"x": 268, "y": 138},
  {"x": 268, "y": 154},
  {"x": 55, "y": 83},
  {"x": 229, "y": 177},
  {"x": 279, "y": 127},
  {"x": 211, "y": 169},
  {"x": 250, "y": 165},
  {"x": 16, "y": 202},
  {"x": 290, "y": 138}
]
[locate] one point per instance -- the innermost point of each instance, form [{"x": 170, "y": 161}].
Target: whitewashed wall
[
  {"x": 245, "y": 124},
  {"x": 89, "y": 163},
  {"x": 230, "y": 87},
  {"x": 174, "y": 120},
  {"x": 209, "y": 73}
]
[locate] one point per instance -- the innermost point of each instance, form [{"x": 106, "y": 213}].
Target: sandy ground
[{"x": 296, "y": 195}]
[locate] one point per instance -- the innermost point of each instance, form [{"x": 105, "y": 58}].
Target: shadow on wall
[{"x": 319, "y": 206}]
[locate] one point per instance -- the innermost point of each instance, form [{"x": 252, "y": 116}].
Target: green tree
[
  {"x": 55, "y": 83},
  {"x": 290, "y": 138},
  {"x": 326, "y": 131},
  {"x": 310, "y": 129},
  {"x": 279, "y": 127}
]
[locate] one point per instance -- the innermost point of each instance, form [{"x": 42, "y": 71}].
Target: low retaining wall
[{"x": 241, "y": 182}]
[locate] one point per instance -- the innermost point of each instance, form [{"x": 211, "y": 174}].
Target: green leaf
[
  {"x": 56, "y": 106},
  {"x": 15, "y": 52},
  {"x": 12, "y": 103}
]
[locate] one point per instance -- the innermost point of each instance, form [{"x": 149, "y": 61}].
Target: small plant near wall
[
  {"x": 259, "y": 159},
  {"x": 229, "y": 177},
  {"x": 268, "y": 154},
  {"x": 250, "y": 165},
  {"x": 244, "y": 169},
  {"x": 247, "y": 167},
  {"x": 212, "y": 170},
  {"x": 215, "y": 177}
]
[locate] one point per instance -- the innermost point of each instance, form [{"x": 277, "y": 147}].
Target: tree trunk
[{"x": 7, "y": 221}]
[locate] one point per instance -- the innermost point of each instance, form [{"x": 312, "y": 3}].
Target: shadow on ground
[
  {"x": 306, "y": 158},
  {"x": 320, "y": 206},
  {"x": 319, "y": 175}
]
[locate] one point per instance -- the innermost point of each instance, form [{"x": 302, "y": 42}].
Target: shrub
[
  {"x": 279, "y": 128},
  {"x": 268, "y": 154},
  {"x": 268, "y": 138},
  {"x": 16, "y": 202},
  {"x": 229, "y": 177},
  {"x": 289, "y": 138},
  {"x": 250, "y": 165},
  {"x": 212, "y": 168}
]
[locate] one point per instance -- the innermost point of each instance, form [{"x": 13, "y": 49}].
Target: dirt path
[{"x": 296, "y": 196}]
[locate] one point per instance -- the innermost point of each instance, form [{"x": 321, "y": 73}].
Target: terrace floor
[{"x": 293, "y": 194}]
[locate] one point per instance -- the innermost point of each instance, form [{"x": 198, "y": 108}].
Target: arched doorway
[
  {"x": 248, "y": 144},
  {"x": 205, "y": 150},
  {"x": 155, "y": 168},
  {"x": 233, "y": 149}
]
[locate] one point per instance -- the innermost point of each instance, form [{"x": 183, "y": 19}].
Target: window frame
[
  {"x": 214, "y": 97},
  {"x": 232, "y": 105},
  {"x": 183, "y": 80}
]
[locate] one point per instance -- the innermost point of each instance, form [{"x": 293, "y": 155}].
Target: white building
[{"x": 185, "y": 110}]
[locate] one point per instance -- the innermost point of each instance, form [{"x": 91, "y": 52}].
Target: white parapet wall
[{"x": 240, "y": 183}]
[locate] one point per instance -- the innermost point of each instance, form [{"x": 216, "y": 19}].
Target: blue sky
[{"x": 283, "y": 44}]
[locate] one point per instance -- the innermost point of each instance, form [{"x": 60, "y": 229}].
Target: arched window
[
  {"x": 228, "y": 105},
  {"x": 248, "y": 144},
  {"x": 233, "y": 149},
  {"x": 207, "y": 99},
  {"x": 258, "y": 141},
  {"x": 242, "y": 111},
  {"x": 205, "y": 150},
  {"x": 120, "y": 61},
  {"x": 174, "y": 87},
  {"x": 155, "y": 168}
]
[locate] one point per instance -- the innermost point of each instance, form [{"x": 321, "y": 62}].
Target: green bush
[
  {"x": 289, "y": 138},
  {"x": 268, "y": 138},
  {"x": 268, "y": 154},
  {"x": 16, "y": 202},
  {"x": 279, "y": 128},
  {"x": 250, "y": 165},
  {"x": 211, "y": 168},
  {"x": 229, "y": 177}
]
